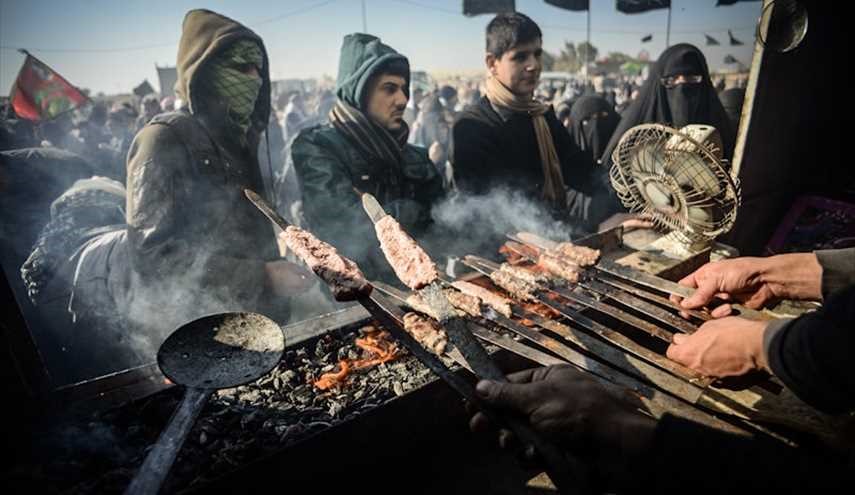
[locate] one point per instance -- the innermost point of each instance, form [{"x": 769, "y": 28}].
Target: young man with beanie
[{"x": 363, "y": 149}]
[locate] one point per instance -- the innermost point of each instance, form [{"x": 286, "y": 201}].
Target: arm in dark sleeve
[
  {"x": 158, "y": 232},
  {"x": 591, "y": 197},
  {"x": 471, "y": 155},
  {"x": 687, "y": 457},
  {"x": 578, "y": 169},
  {"x": 428, "y": 188},
  {"x": 838, "y": 269},
  {"x": 812, "y": 354}
]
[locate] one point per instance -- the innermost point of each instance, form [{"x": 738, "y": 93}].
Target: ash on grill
[{"x": 238, "y": 425}]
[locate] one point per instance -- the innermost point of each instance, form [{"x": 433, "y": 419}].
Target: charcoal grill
[{"x": 407, "y": 431}]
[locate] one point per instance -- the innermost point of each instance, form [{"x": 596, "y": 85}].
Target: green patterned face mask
[{"x": 226, "y": 78}]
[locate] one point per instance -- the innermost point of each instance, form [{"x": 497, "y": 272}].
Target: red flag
[{"x": 40, "y": 93}]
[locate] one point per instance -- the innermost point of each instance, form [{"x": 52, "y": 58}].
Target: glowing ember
[
  {"x": 329, "y": 380},
  {"x": 540, "y": 309},
  {"x": 378, "y": 348}
]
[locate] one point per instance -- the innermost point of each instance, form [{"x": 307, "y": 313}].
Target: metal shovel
[{"x": 217, "y": 351}]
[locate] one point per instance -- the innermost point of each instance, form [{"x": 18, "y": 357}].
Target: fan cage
[{"x": 690, "y": 171}]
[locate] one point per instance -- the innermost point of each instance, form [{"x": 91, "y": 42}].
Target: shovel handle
[{"x": 160, "y": 459}]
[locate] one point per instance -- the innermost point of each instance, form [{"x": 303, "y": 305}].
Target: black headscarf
[
  {"x": 731, "y": 100},
  {"x": 680, "y": 106},
  {"x": 592, "y": 136}
]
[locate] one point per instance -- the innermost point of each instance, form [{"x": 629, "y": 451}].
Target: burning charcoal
[
  {"x": 250, "y": 396},
  {"x": 320, "y": 348},
  {"x": 249, "y": 418},
  {"x": 288, "y": 376},
  {"x": 398, "y": 388}
]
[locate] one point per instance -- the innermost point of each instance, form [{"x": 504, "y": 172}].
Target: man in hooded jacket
[
  {"x": 196, "y": 244},
  {"x": 363, "y": 149}
]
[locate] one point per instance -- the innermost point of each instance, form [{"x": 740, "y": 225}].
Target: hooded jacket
[
  {"x": 196, "y": 244},
  {"x": 333, "y": 172}
]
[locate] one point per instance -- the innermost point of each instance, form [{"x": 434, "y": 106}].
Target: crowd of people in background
[
  {"x": 102, "y": 131},
  {"x": 586, "y": 114}
]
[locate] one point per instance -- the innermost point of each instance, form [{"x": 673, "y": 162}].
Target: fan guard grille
[{"x": 682, "y": 184}]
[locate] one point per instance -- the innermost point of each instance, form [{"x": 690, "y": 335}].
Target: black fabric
[
  {"x": 569, "y": 4},
  {"x": 89, "y": 208},
  {"x": 638, "y": 6},
  {"x": 680, "y": 106},
  {"x": 477, "y": 7},
  {"x": 489, "y": 152},
  {"x": 812, "y": 355},
  {"x": 691, "y": 458},
  {"x": 731, "y": 100},
  {"x": 30, "y": 180},
  {"x": 589, "y": 129}
]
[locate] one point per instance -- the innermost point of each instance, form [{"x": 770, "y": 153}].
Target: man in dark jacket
[
  {"x": 196, "y": 244},
  {"x": 509, "y": 139},
  {"x": 363, "y": 149}
]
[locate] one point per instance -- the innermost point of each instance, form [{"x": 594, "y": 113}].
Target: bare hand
[
  {"x": 568, "y": 407},
  {"x": 286, "y": 279},
  {"x": 754, "y": 282},
  {"x": 729, "y": 346}
]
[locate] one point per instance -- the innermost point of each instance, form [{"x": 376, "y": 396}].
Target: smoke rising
[{"x": 478, "y": 224}]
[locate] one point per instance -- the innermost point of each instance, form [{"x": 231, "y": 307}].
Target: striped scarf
[
  {"x": 373, "y": 141},
  {"x": 553, "y": 181}
]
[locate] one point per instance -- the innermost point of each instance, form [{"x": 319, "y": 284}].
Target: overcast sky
[{"x": 110, "y": 46}]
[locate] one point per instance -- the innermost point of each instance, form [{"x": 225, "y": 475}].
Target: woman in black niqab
[
  {"x": 677, "y": 105},
  {"x": 592, "y": 122}
]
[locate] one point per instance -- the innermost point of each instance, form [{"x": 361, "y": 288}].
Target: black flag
[
  {"x": 639, "y": 6},
  {"x": 569, "y": 4},
  {"x": 730, "y": 59},
  {"x": 711, "y": 41},
  {"x": 143, "y": 89},
  {"x": 719, "y": 3},
  {"x": 733, "y": 41},
  {"x": 647, "y": 38},
  {"x": 477, "y": 7}
]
